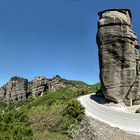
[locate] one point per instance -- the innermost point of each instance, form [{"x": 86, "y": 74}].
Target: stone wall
[{"x": 119, "y": 56}]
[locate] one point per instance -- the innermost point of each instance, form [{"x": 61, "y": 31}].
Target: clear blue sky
[{"x": 50, "y": 37}]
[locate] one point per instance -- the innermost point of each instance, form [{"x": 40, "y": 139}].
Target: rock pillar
[{"x": 118, "y": 56}]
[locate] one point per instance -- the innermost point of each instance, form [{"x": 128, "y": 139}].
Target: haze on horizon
[{"x": 51, "y": 37}]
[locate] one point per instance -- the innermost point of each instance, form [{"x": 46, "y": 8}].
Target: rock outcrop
[
  {"x": 18, "y": 89},
  {"x": 14, "y": 90},
  {"x": 39, "y": 86},
  {"x": 57, "y": 83},
  {"x": 119, "y": 56}
]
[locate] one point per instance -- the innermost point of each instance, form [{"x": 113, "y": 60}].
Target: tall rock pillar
[{"x": 118, "y": 56}]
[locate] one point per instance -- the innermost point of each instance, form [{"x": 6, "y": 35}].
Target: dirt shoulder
[{"x": 92, "y": 129}]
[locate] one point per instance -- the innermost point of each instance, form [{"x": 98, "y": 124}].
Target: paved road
[{"x": 126, "y": 121}]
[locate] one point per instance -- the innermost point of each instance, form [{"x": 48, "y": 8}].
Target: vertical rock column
[
  {"x": 39, "y": 86},
  {"x": 118, "y": 55},
  {"x": 16, "y": 89}
]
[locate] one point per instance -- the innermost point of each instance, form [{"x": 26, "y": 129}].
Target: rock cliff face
[
  {"x": 57, "y": 83},
  {"x": 14, "y": 90},
  {"x": 119, "y": 56},
  {"x": 18, "y": 89},
  {"x": 39, "y": 86}
]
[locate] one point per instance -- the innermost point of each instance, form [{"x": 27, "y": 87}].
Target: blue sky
[{"x": 50, "y": 37}]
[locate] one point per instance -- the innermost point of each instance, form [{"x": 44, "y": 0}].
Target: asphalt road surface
[{"x": 125, "y": 121}]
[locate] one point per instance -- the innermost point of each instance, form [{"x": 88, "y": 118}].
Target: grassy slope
[{"x": 54, "y": 116}]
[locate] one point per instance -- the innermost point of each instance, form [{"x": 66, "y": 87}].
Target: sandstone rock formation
[
  {"x": 57, "y": 83},
  {"x": 18, "y": 89},
  {"x": 39, "y": 86},
  {"x": 14, "y": 90},
  {"x": 119, "y": 56},
  {"x": 2, "y": 92}
]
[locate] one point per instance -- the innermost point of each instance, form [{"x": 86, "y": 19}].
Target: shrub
[
  {"x": 44, "y": 120},
  {"x": 14, "y": 125},
  {"x": 75, "y": 109}
]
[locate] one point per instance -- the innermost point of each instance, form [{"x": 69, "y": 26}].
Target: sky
[{"x": 54, "y": 37}]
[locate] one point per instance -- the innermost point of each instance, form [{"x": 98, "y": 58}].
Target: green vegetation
[
  {"x": 14, "y": 125},
  {"x": 75, "y": 109},
  {"x": 79, "y": 83},
  {"x": 54, "y": 116}
]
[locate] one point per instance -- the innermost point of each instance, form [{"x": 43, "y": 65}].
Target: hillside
[{"x": 53, "y": 116}]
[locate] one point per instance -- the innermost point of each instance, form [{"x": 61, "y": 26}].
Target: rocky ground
[
  {"x": 116, "y": 106},
  {"x": 92, "y": 129},
  {"x": 122, "y": 107}
]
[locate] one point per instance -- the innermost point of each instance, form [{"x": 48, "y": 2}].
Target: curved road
[{"x": 125, "y": 121}]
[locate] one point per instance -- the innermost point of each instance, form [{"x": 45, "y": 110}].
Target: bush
[
  {"x": 14, "y": 125},
  {"x": 45, "y": 120},
  {"x": 75, "y": 109}
]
